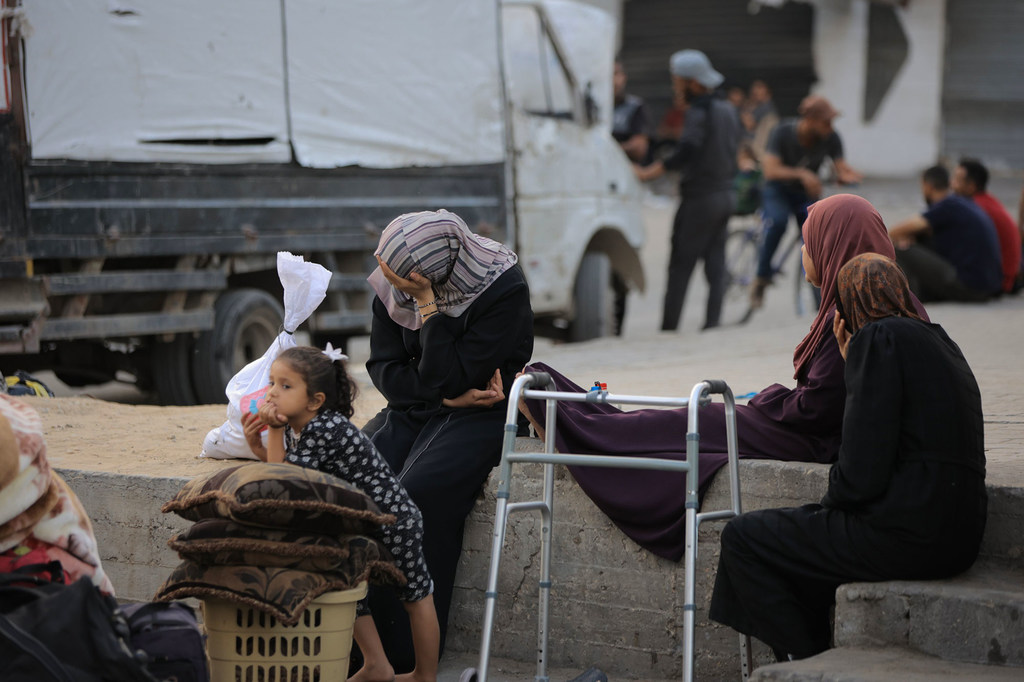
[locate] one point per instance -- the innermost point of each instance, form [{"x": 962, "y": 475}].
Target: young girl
[{"x": 307, "y": 410}]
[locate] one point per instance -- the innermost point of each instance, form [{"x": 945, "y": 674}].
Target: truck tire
[
  {"x": 593, "y": 299},
  {"x": 246, "y": 322},
  {"x": 172, "y": 375}
]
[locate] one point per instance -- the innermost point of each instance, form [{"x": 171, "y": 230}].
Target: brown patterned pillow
[
  {"x": 283, "y": 593},
  {"x": 279, "y": 496},
  {"x": 220, "y": 542}
]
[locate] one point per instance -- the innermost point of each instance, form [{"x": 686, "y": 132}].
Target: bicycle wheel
[
  {"x": 741, "y": 247},
  {"x": 806, "y": 296}
]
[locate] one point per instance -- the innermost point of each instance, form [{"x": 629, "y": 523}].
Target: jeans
[{"x": 778, "y": 201}]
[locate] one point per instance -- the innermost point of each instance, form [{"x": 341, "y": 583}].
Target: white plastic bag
[{"x": 305, "y": 286}]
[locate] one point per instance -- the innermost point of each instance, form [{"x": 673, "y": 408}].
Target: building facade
[{"x": 917, "y": 81}]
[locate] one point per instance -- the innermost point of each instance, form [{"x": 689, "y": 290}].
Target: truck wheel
[
  {"x": 594, "y": 299},
  {"x": 172, "y": 376},
  {"x": 246, "y": 322}
]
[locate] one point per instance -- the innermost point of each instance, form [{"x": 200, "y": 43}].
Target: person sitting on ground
[
  {"x": 306, "y": 415},
  {"x": 40, "y": 516},
  {"x": 795, "y": 424},
  {"x": 970, "y": 180},
  {"x": 790, "y": 164},
  {"x": 1020, "y": 220},
  {"x": 951, "y": 251},
  {"x": 906, "y": 499},
  {"x": 631, "y": 126},
  {"x": 452, "y": 324}
]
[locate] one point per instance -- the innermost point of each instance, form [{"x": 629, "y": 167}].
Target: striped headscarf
[
  {"x": 872, "y": 287},
  {"x": 441, "y": 247}
]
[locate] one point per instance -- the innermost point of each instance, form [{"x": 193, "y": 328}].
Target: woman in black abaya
[{"x": 906, "y": 498}]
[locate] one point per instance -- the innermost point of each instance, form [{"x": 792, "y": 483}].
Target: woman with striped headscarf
[{"x": 452, "y": 325}]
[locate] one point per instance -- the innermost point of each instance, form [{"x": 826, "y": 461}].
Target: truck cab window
[{"x": 537, "y": 80}]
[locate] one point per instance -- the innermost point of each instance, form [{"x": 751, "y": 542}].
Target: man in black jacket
[{"x": 706, "y": 157}]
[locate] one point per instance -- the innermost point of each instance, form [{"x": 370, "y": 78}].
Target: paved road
[{"x": 752, "y": 356}]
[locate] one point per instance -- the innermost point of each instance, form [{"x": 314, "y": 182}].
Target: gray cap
[{"x": 695, "y": 64}]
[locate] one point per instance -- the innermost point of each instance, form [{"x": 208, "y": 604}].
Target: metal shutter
[
  {"x": 773, "y": 44},
  {"x": 983, "y": 90}
]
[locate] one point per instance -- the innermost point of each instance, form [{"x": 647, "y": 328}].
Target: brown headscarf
[
  {"x": 837, "y": 229},
  {"x": 872, "y": 287}
]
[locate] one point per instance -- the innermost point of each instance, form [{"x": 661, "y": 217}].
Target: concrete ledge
[
  {"x": 972, "y": 618},
  {"x": 613, "y": 604}
]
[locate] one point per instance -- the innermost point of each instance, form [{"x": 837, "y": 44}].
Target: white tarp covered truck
[{"x": 157, "y": 155}]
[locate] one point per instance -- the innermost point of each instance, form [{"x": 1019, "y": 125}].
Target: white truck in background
[{"x": 157, "y": 155}]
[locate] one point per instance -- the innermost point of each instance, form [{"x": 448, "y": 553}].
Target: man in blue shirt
[{"x": 951, "y": 251}]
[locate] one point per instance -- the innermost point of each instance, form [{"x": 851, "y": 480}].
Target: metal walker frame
[{"x": 524, "y": 387}]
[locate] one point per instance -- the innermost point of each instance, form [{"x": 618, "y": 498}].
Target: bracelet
[
  {"x": 276, "y": 427},
  {"x": 427, "y": 305}
]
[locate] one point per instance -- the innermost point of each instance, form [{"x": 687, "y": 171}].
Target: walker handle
[
  {"x": 539, "y": 379},
  {"x": 716, "y": 385}
]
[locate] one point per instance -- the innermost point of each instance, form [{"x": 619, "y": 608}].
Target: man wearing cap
[
  {"x": 705, "y": 155},
  {"x": 796, "y": 149}
]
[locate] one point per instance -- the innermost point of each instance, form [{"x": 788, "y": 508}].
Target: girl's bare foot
[
  {"x": 380, "y": 672},
  {"x": 414, "y": 676}
]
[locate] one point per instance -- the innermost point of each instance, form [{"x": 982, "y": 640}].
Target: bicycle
[{"x": 742, "y": 246}]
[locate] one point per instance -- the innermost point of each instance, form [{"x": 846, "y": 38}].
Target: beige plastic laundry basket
[{"x": 247, "y": 645}]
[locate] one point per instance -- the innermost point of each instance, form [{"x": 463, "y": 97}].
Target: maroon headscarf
[{"x": 837, "y": 229}]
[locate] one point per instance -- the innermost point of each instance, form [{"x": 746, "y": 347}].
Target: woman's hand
[
  {"x": 842, "y": 334},
  {"x": 417, "y": 286},
  {"x": 252, "y": 428},
  {"x": 494, "y": 393}
]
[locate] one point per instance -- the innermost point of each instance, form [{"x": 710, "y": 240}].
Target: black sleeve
[
  {"x": 392, "y": 368},
  {"x": 691, "y": 141},
  {"x": 460, "y": 354},
  {"x": 641, "y": 123},
  {"x": 774, "y": 145},
  {"x": 871, "y": 424}
]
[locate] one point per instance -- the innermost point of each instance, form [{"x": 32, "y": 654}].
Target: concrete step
[
  {"x": 973, "y": 618},
  {"x": 849, "y": 664}
]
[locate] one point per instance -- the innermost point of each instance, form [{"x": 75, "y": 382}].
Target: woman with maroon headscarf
[
  {"x": 906, "y": 498},
  {"x": 793, "y": 424}
]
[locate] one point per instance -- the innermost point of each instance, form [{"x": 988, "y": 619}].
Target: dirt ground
[{"x": 97, "y": 435}]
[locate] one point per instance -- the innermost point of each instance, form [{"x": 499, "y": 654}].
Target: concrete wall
[
  {"x": 905, "y": 135},
  {"x": 613, "y": 604}
]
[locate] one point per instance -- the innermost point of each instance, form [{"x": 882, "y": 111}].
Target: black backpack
[
  {"x": 52, "y": 632},
  {"x": 170, "y": 636}
]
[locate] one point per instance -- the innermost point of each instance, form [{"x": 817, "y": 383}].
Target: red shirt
[{"x": 1009, "y": 236}]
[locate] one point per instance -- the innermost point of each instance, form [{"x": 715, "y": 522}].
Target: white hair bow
[{"x": 333, "y": 353}]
